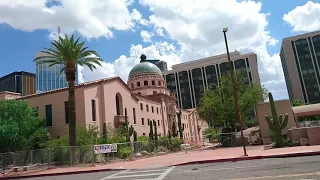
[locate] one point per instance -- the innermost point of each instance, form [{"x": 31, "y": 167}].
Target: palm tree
[{"x": 70, "y": 53}]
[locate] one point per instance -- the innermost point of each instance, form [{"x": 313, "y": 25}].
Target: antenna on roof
[{"x": 59, "y": 31}]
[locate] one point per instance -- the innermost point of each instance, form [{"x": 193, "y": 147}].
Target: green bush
[
  {"x": 212, "y": 133},
  {"x": 176, "y": 143},
  {"x": 124, "y": 152}
]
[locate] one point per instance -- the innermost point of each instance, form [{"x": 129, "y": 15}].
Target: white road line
[
  {"x": 164, "y": 174},
  {"x": 115, "y": 174},
  {"x": 151, "y": 170},
  {"x": 137, "y": 175}
]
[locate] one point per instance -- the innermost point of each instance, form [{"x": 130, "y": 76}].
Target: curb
[
  {"x": 180, "y": 164},
  {"x": 59, "y": 173},
  {"x": 244, "y": 158}
]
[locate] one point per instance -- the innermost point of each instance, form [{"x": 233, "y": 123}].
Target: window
[
  {"x": 93, "y": 109},
  {"x": 134, "y": 116},
  {"x": 49, "y": 115},
  {"x": 132, "y": 85},
  {"x": 159, "y": 83},
  {"x": 153, "y": 83},
  {"x": 143, "y": 134},
  {"x": 145, "y": 83},
  {"x": 66, "y": 112},
  {"x": 148, "y": 121},
  {"x": 154, "y": 92},
  {"x": 147, "y": 108},
  {"x": 138, "y": 84},
  {"x": 141, "y": 106},
  {"x": 157, "y": 110},
  {"x": 139, "y": 93},
  {"x": 152, "y": 110},
  {"x": 158, "y": 122},
  {"x": 142, "y": 121}
]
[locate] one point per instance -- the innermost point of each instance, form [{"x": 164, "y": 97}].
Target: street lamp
[{"x": 235, "y": 97}]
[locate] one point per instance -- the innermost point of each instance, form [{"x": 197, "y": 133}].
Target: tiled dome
[{"x": 144, "y": 67}]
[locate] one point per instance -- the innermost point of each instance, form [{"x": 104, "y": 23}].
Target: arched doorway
[{"x": 119, "y": 108}]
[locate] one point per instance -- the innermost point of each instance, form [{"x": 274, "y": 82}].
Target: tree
[
  {"x": 298, "y": 102},
  {"x": 217, "y": 103},
  {"x": 70, "y": 53},
  {"x": 20, "y": 126}
]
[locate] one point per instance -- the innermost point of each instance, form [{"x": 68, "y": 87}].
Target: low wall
[{"x": 311, "y": 133}]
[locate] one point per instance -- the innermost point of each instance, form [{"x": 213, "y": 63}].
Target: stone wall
[{"x": 310, "y": 133}]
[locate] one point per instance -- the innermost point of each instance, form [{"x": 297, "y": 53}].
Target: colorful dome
[{"x": 145, "y": 67}]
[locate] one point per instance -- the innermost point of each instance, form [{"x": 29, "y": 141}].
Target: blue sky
[{"x": 180, "y": 31}]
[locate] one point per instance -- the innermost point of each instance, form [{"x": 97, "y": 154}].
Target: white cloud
[
  {"x": 146, "y": 36},
  {"x": 91, "y": 18},
  {"x": 122, "y": 66},
  {"x": 197, "y": 27},
  {"x": 304, "y": 18}
]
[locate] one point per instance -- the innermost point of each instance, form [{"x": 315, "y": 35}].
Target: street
[{"x": 299, "y": 168}]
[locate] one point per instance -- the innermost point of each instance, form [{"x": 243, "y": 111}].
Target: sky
[{"x": 174, "y": 31}]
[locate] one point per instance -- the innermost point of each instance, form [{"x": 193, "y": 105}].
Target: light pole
[{"x": 235, "y": 97}]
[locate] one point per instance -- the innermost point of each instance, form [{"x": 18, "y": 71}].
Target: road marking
[
  {"x": 136, "y": 175},
  {"x": 156, "y": 174},
  {"x": 278, "y": 176},
  {"x": 164, "y": 174},
  {"x": 115, "y": 174}
]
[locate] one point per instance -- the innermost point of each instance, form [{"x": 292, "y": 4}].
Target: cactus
[
  {"x": 151, "y": 136},
  {"x": 181, "y": 128},
  {"x": 135, "y": 139},
  {"x": 104, "y": 133},
  {"x": 129, "y": 130},
  {"x": 155, "y": 133},
  {"x": 170, "y": 142},
  {"x": 276, "y": 124},
  {"x": 174, "y": 129}
]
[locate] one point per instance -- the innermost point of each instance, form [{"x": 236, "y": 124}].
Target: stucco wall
[{"x": 282, "y": 107}]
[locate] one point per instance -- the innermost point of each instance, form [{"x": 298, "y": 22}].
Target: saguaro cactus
[
  {"x": 155, "y": 133},
  {"x": 174, "y": 129},
  {"x": 104, "y": 133},
  {"x": 135, "y": 140},
  {"x": 151, "y": 137},
  {"x": 128, "y": 129},
  {"x": 276, "y": 124},
  {"x": 181, "y": 128}
]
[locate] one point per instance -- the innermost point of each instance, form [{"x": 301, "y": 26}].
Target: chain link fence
[{"x": 71, "y": 156}]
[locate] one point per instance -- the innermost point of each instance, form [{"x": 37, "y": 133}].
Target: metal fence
[
  {"x": 67, "y": 155},
  {"x": 70, "y": 156}
]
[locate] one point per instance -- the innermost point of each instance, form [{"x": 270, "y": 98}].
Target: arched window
[{"x": 119, "y": 104}]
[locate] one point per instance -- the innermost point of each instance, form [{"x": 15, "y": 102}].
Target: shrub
[
  {"x": 124, "y": 152},
  {"x": 176, "y": 143}
]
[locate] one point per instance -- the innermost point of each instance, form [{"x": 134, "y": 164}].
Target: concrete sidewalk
[{"x": 180, "y": 158}]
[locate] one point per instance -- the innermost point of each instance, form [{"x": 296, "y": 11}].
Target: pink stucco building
[{"x": 145, "y": 97}]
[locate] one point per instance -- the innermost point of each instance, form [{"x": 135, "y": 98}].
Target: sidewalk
[{"x": 180, "y": 158}]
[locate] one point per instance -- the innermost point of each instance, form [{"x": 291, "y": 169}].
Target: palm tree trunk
[
  {"x": 72, "y": 114},
  {"x": 72, "y": 122}
]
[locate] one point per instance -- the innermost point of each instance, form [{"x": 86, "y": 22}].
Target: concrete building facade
[
  {"x": 20, "y": 82},
  {"x": 187, "y": 80},
  {"x": 106, "y": 100},
  {"x": 300, "y": 58}
]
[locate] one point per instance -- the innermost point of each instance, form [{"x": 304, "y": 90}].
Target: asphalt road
[{"x": 299, "y": 168}]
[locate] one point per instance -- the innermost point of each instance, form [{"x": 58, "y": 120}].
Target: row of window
[
  {"x": 48, "y": 114},
  {"x": 142, "y": 122},
  {"x": 145, "y": 83},
  {"x": 147, "y": 108}
]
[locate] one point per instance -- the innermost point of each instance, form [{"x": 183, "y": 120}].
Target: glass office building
[
  {"x": 300, "y": 58},
  {"x": 19, "y": 82},
  {"x": 187, "y": 80},
  {"x": 50, "y": 78}
]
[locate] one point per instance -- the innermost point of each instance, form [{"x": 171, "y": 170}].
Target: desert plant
[
  {"x": 212, "y": 133},
  {"x": 104, "y": 133},
  {"x": 174, "y": 129},
  {"x": 155, "y": 133},
  {"x": 276, "y": 124},
  {"x": 129, "y": 130},
  {"x": 125, "y": 152},
  {"x": 181, "y": 128}
]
